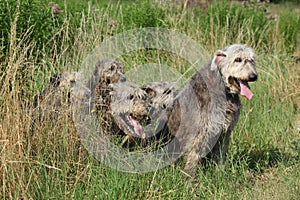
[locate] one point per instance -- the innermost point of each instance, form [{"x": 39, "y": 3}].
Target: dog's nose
[{"x": 253, "y": 77}]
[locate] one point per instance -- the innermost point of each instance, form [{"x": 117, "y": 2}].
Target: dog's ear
[{"x": 219, "y": 55}]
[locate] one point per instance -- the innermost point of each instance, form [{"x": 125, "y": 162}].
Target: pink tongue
[
  {"x": 245, "y": 90},
  {"x": 138, "y": 129}
]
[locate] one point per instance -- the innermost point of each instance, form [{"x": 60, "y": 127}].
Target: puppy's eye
[
  {"x": 168, "y": 91},
  {"x": 130, "y": 97},
  {"x": 238, "y": 60},
  {"x": 112, "y": 67}
]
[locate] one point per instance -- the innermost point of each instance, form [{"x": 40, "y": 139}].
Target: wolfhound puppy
[
  {"x": 205, "y": 112},
  {"x": 96, "y": 98},
  {"x": 160, "y": 96},
  {"x": 56, "y": 93},
  {"x": 133, "y": 107},
  {"x": 106, "y": 72},
  {"x": 129, "y": 108}
]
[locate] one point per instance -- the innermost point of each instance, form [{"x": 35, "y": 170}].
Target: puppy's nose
[{"x": 252, "y": 77}]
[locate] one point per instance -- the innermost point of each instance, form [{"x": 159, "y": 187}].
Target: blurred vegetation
[
  {"x": 289, "y": 27},
  {"x": 31, "y": 18},
  {"x": 35, "y": 20}
]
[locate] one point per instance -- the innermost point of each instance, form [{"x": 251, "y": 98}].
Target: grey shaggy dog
[
  {"x": 61, "y": 86},
  {"x": 106, "y": 72},
  {"x": 160, "y": 96},
  {"x": 133, "y": 108},
  {"x": 205, "y": 112},
  {"x": 53, "y": 102},
  {"x": 129, "y": 108},
  {"x": 123, "y": 106},
  {"x": 55, "y": 95}
]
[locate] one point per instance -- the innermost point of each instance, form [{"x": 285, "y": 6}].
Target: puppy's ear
[{"x": 219, "y": 55}]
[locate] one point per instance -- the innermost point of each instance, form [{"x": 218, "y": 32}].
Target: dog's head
[
  {"x": 129, "y": 107},
  {"x": 160, "y": 95},
  {"x": 66, "y": 79},
  {"x": 109, "y": 71},
  {"x": 236, "y": 64}
]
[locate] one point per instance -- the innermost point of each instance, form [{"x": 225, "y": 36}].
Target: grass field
[{"x": 50, "y": 162}]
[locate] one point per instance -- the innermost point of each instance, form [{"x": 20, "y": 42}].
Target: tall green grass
[{"x": 49, "y": 162}]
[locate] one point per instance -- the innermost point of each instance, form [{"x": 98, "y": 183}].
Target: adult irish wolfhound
[{"x": 205, "y": 112}]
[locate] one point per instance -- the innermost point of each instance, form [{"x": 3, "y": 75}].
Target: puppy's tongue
[
  {"x": 138, "y": 129},
  {"x": 245, "y": 90}
]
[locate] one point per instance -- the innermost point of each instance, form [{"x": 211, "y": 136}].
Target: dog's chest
[{"x": 233, "y": 106}]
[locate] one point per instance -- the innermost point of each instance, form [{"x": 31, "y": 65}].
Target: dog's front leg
[
  {"x": 218, "y": 154},
  {"x": 192, "y": 162}
]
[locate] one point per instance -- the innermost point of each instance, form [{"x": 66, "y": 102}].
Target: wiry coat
[
  {"x": 205, "y": 112},
  {"x": 129, "y": 108},
  {"x": 56, "y": 95},
  {"x": 160, "y": 96}
]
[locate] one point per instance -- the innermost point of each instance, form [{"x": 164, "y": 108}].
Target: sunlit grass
[{"x": 47, "y": 160}]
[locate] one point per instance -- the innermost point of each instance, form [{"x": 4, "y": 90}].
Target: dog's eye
[
  {"x": 112, "y": 67},
  {"x": 168, "y": 91},
  {"x": 130, "y": 97},
  {"x": 238, "y": 60}
]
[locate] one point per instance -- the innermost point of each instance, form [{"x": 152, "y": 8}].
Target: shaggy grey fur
[
  {"x": 133, "y": 107},
  {"x": 160, "y": 96},
  {"x": 205, "y": 112},
  {"x": 129, "y": 107},
  {"x": 106, "y": 72},
  {"x": 117, "y": 101},
  {"x": 93, "y": 94},
  {"x": 56, "y": 94}
]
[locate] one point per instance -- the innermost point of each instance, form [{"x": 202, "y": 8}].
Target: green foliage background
[{"x": 49, "y": 161}]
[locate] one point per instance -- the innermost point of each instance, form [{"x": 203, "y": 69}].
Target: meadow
[{"x": 50, "y": 162}]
